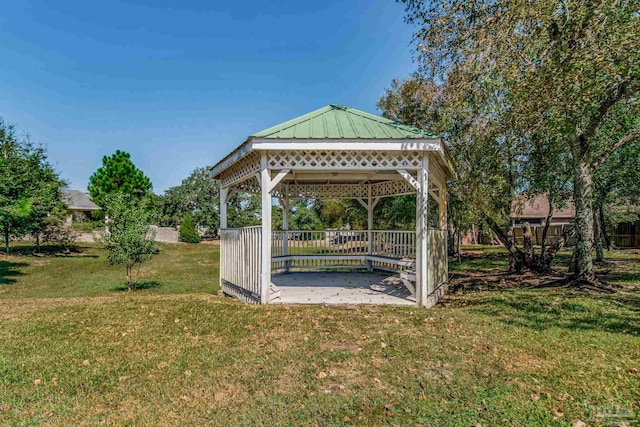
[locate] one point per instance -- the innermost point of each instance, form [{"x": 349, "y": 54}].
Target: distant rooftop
[
  {"x": 76, "y": 200},
  {"x": 538, "y": 207}
]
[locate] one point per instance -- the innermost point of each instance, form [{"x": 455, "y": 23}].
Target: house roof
[
  {"x": 538, "y": 207},
  {"x": 78, "y": 201},
  {"x": 338, "y": 122}
]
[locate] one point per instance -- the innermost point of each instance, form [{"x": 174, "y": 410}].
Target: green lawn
[{"x": 76, "y": 350}]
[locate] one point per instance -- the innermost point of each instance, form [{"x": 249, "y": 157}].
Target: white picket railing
[
  {"x": 394, "y": 243},
  {"x": 323, "y": 242},
  {"x": 240, "y": 250},
  {"x": 392, "y": 250}
]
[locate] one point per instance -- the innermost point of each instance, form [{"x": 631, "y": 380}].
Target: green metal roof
[{"x": 337, "y": 122}]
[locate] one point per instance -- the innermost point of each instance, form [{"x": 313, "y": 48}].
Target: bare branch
[{"x": 627, "y": 139}]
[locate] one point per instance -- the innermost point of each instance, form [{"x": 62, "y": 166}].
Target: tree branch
[
  {"x": 627, "y": 139},
  {"x": 620, "y": 91}
]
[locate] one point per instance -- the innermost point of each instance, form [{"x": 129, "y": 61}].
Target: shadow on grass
[
  {"x": 9, "y": 270},
  {"x": 140, "y": 286},
  {"x": 50, "y": 251},
  {"x": 561, "y": 310}
]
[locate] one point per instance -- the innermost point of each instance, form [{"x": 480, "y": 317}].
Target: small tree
[
  {"x": 57, "y": 230},
  {"x": 188, "y": 232},
  {"x": 128, "y": 241}
]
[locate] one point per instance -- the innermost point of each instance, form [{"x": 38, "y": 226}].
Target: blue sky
[{"x": 179, "y": 84}]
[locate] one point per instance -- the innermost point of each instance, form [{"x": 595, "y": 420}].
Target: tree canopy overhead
[
  {"x": 118, "y": 174},
  {"x": 556, "y": 74}
]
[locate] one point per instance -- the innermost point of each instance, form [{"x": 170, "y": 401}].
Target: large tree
[
  {"x": 118, "y": 174},
  {"x": 550, "y": 69},
  {"x": 29, "y": 186},
  {"x": 199, "y": 195}
]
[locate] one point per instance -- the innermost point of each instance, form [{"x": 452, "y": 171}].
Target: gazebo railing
[
  {"x": 322, "y": 242},
  {"x": 394, "y": 243},
  {"x": 391, "y": 250},
  {"x": 240, "y": 259}
]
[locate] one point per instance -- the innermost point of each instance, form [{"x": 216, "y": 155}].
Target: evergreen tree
[
  {"x": 118, "y": 174},
  {"x": 29, "y": 186},
  {"x": 188, "y": 232}
]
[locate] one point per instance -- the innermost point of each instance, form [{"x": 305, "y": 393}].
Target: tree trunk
[
  {"x": 603, "y": 228},
  {"x": 527, "y": 244},
  {"x": 550, "y": 253},
  {"x": 515, "y": 255},
  {"x": 582, "y": 263},
  {"x": 597, "y": 235},
  {"x": 543, "y": 243},
  {"x": 6, "y": 239}
]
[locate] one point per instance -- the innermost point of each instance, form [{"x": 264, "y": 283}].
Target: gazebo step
[{"x": 274, "y": 292}]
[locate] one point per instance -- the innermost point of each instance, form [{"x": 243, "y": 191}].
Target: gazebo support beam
[
  {"x": 286, "y": 206},
  {"x": 369, "y": 205},
  {"x": 224, "y": 197},
  {"x": 265, "y": 276},
  {"x": 422, "y": 235},
  {"x": 442, "y": 207}
]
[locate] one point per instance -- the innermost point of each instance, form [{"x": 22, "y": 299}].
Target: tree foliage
[
  {"x": 118, "y": 174},
  {"x": 188, "y": 232},
  {"x": 244, "y": 210},
  {"x": 29, "y": 186},
  {"x": 199, "y": 195},
  {"x": 518, "y": 73},
  {"x": 57, "y": 230},
  {"x": 128, "y": 241}
]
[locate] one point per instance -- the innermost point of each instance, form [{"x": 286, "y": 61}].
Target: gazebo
[{"x": 335, "y": 152}]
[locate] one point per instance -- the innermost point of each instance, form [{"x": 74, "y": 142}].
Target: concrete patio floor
[{"x": 341, "y": 288}]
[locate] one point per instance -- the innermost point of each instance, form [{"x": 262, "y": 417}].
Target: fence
[{"x": 240, "y": 262}]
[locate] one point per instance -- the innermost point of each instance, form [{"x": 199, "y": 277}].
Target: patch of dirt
[{"x": 341, "y": 346}]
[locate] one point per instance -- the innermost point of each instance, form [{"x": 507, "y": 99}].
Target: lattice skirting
[{"x": 239, "y": 293}]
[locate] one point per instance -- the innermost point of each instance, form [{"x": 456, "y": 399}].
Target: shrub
[{"x": 188, "y": 232}]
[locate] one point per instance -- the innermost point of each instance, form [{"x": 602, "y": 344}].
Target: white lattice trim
[
  {"x": 252, "y": 185},
  {"x": 241, "y": 170},
  {"x": 391, "y": 188},
  {"x": 329, "y": 191},
  {"x": 378, "y": 160}
]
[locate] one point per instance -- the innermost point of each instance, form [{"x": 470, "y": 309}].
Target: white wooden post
[
  {"x": 223, "y": 207},
  {"x": 369, "y": 229},
  {"x": 422, "y": 237},
  {"x": 265, "y": 253},
  {"x": 285, "y": 230},
  {"x": 442, "y": 207},
  {"x": 443, "y": 201}
]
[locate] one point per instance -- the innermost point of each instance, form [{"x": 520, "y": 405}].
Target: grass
[
  {"x": 77, "y": 351},
  {"x": 178, "y": 268}
]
